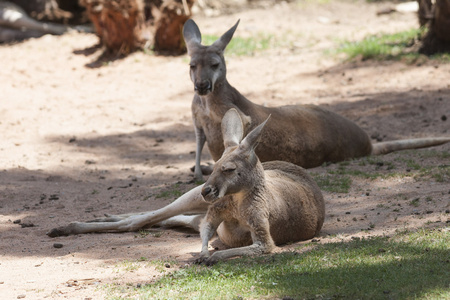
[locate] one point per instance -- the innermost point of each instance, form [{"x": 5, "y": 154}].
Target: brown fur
[
  {"x": 305, "y": 135},
  {"x": 257, "y": 206}
]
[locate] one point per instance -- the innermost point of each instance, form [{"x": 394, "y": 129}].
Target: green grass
[
  {"x": 406, "y": 266},
  {"x": 411, "y": 163},
  {"x": 334, "y": 184},
  {"x": 173, "y": 192},
  {"x": 239, "y": 46},
  {"x": 382, "y": 46}
]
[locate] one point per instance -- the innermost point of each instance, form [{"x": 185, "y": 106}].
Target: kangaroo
[
  {"x": 18, "y": 25},
  {"x": 255, "y": 206},
  {"x": 306, "y": 135},
  {"x": 251, "y": 205},
  {"x": 15, "y": 24}
]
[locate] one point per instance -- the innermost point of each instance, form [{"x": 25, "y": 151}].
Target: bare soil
[{"x": 82, "y": 138}]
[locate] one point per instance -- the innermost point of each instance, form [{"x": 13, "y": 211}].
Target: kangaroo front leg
[
  {"x": 189, "y": 203},
  {"x": 262, "y": 244},
  {"x": 200, "y": 139},
  {"x": 208, "y": 228}
]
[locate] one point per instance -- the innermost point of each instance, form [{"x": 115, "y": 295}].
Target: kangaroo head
[
  {"x": 207, "y": 66},
  {"x": 239, "y": 169}
]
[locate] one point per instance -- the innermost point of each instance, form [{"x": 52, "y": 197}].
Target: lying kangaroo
[
  {"x": 252, "y": 205},
  {"x": 306, "y": 135},
  {"x": 16, "y": 25},
  {"x": 256, "y": 206}
]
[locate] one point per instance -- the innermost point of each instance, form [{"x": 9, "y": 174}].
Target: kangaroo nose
[
  {"x": 203, "y": 87},
  {"x": 206, "y": 190}
]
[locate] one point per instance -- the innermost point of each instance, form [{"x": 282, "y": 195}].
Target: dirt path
[{"x": 79, "y": 141}]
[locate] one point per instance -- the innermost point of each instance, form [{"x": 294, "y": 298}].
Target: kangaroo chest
[{"x": 208, "y": 117}]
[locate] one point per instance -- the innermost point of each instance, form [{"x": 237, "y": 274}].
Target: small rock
[
  {"x": 25, "y": 225},
  {"x": 53, "y": 197},
  {"x": 57, "y": 245},
  {"x": 167, "y": 266},
  {"x": 444, "y": 118},
  {"x": 21, "y": 296},
  {"x": 18, "y": 221}
]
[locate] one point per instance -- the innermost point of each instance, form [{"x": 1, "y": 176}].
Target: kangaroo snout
[
  {"x": 206, "y": 190},
  {"x": 203, "y": 87},
  {"x": 209, "y": 193}
]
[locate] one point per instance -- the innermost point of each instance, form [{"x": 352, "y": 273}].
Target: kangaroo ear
[
  {"x": 232, "y": 128},
  {"x": 252, "y": 139},
  {"x": 192, "y": 35},
  {"x": 223, "y": 41}
]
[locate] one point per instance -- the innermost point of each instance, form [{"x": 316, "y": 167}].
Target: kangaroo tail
[{"x": 391, "y": 146}]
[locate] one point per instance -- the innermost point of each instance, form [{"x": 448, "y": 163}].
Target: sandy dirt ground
[{"x": 80, "y": 139}]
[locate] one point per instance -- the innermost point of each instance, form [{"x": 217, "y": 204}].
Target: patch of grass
[
  {"x": 406, "y": 266},
  {"x": 173, "y": 192},
  {"x": 415, "y": 202},
  {"x": 335, "y": 184},
  {"x": 383, "y": 46},
  {"x": 240, "y": 46},
  {"x": 440, "y": 173}
]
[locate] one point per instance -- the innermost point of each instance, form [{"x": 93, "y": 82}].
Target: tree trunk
[
  {"x": 437, "y": 18},
  {"x": 126, "y": 25}
]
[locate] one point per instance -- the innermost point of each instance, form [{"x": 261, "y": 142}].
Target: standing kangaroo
[
  {"x": 256, "y": 206},
  {"x": 306, "y": 135}
]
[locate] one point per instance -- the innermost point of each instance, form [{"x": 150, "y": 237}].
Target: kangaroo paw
[{"x": 61, "y": 231}]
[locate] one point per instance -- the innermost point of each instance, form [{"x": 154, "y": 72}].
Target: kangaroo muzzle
[
  {"x": 209, "y": 193},
  {"x": 204, "y": 87}
]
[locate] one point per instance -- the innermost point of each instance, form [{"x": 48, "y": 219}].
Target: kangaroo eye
[
  {"x": 228, "y": 167},
  {"x": 215, "y": 65},
  {"x": 192, "y": 66}
]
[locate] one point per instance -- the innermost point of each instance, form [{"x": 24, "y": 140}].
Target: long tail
[{"x": 391, "y": 146}]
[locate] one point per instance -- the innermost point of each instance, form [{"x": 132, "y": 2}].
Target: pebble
[{"x": 57, "y": 245}]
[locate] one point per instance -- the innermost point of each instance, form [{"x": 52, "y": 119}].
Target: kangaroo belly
[{"x": 234, "y": 235}]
